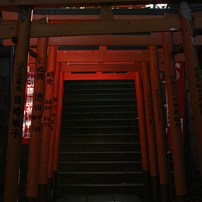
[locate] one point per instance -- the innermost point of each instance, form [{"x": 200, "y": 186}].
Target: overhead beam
[
  {"x": 61, "y": 17},
  {"x": 101, "y": 68},
  {"x": 8, "y": 29},
  {"x": 94, "y": 56},
  {"x": 93, "y": 27},
  {"x": 136, "y": 67},
  {"x": 99, "y": 76},
  {"x": 108, "y": 56},
  {"x": 40, "y": 27},
  {"x": 103, "y": 40},
  {"x": 155, "y": 39},
  {"x": 11, "y": 15},
  {"x": 100, "y": 40},
  {"x": 72, "y": 3},
  {"x": 105, "y": 56}
]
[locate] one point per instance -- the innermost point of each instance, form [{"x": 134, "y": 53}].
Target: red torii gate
[
  {"x": 173, "y": 24},
  {"x": 99, "y": 70}
]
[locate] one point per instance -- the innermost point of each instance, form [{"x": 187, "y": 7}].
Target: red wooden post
[
  {"x": 159, "y": 124},
  {"x": 53, "y": 132},
  {"x": 193, "y": 74},
  {"x": 57, "y": 138},
  {"x": 46, "y": 127},
  {"x": 36, "y": 127},
  {"x": 142, "y": 131},
  {"x": 174, "y": 117},
  {"x": 17, "y": 106},
  {"x": 150, "y": 132}
]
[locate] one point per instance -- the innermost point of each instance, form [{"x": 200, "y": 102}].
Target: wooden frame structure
[
  {"x": 95, "y": 29},
  {"x": 71, "y": 3}
]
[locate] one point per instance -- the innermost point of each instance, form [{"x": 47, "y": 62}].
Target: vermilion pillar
[
  {"x": 36, "y": 127},
  {"x": 159, "y": 124},
  {"x": 57, "y": 137},
  {"x": 174, "y": 117},
  {"x": 53, "y": 132},
  {"x": 193, "y": 74},
  {"x": 46, "y": 127},
  {"x": 150, "y": 132},
  {"x": 17, "y": 106},
  {"x": 142, "y": 131}
]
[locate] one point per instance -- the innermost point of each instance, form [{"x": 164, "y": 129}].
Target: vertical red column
[
  {"x": 57, "y": 138},
  {"x": 174, "y": 117},
  {"x": 53, "y": 132},
  {"x": 36, "y": 126},
  {"x": 193, "y": 74},
  {"x": 150, "y": 132},
  {"x": 46, "y": 127},
  {"x": 17, "y": 105},
  {"x": 142, "y": 131},
  {"x": 159, "y": 124}
]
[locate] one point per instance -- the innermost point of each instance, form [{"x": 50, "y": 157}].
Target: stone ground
[{"x": 100, "y": 198}]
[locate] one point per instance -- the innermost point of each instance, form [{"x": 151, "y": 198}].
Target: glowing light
[{"x": 158, "y": 6}]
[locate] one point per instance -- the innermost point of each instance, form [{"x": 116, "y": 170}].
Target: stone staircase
[{"x": 99, "y": 144}]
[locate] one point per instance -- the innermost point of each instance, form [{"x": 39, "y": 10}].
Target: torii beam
[
  {"x": 154, "y": 39},
  {"x": 107, "y": 56},
  {"x": 9, "y": 29},
  {"x": 72, "y": 3},
  {"x": 101, "y": 68}
]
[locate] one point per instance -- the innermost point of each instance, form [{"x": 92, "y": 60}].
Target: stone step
[
  {"x": 100, "y": 109},
  {"x": 99, "y": 90},
  {"x": 100, "y": 166},
  {"x": 101, "y": 102},
  {"x": 101, "y": 198},
  {"x": 65, "y": 138},
  {"x": 99, "y": 122},
  {"x": 100, "y": 188},
  {"x": 110, "y": 84},
  {"x": 100, "y": 156},
  {"x": 99, "y": 146},
  {"x": 98, "y": 115},
  {"x": 98, "y": 96},
  {"x": 100, "y": 129},
  {"x": 99, "y": 177}
]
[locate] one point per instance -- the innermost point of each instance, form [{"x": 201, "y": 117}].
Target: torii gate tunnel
[{"x": 52, "y": 67}]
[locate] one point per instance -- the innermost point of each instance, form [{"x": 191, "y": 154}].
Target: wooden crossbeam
[
  {"x": 9, "y": 15},
  {"x": 93, "y": 27},
  {"x": 40, "y": 28},
  {"x": 154, "y": 39},
  {"x": 101, "y": 68},
  {"x": 72, "y": 3},
  {"x": 136, "y": 67},
  {"x": 103, "y": 40},
  {"x": 99, "y": 76},
  {"x": 106, "y": 56}
]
